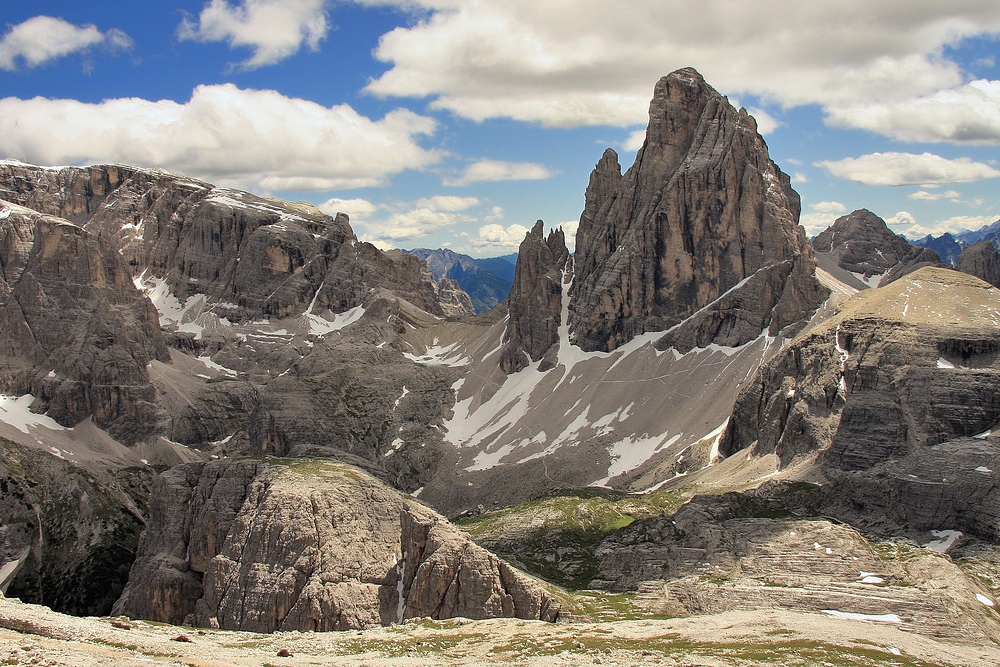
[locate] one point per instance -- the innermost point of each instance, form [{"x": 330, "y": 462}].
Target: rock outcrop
[
  {"x": 253, "y": 257},
  {"x": 455, "y": 302},
  {"x": 703, "y": 223},
  {"x": 898, "y": 369},
  {"x": 982, "y": 261},
  {"x": 867, "y": 253},
  {"x": 535, "y": 301},
  {"x": 74, "y": 330},
  {"x": 253, "y": 546}
]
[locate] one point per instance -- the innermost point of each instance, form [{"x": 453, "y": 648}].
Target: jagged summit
[
  {"x": 702, "y": 209},
  {"x": 861, "y": 250}
]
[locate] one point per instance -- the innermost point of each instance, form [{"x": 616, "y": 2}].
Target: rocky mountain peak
[
  {"x": 535, "y": 301},
  {"x": 863, "y": 246},
  {"x": 702, "y": 209},
  {"x": 982, "y": 261}
]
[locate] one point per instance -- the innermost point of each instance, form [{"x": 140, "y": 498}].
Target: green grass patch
[{"x": 555, "y": 537}]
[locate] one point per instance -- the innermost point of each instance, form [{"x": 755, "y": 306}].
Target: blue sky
[{"x": 458, "y": 123}]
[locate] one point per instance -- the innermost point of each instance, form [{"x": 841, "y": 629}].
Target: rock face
[
  {"x": 535, "y": 301},
  {"x": 702, "y": 210},
  {"x": 74, "y": 330},
  {"x": 67, "y": 537},
  {"x": 254, "y": 257},
  {"x": 899, "y": 369},
  {"x": 455, "y": 302},
  {"x": 252, "y": 546},
  {"x": 982, "y": 261},
  {"x": 861, "y": 245},
  {"x": 748, "y": 551}
]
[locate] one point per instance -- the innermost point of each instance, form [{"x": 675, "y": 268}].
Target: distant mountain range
[
  {"x": 487, "y": 281},
  {"x": 949, "y": 247}
]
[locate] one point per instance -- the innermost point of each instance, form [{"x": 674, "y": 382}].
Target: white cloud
[
  {"x": 823, "y": 214},
  {"x": 969, "y": 114},
  {"x": 448, "y": 203},
  {"x": 799, "y": 177},
  {"x": 907, "y": 169},
  {"x": 569, "y": 229},
  {"x": 253, "y": 139},
  {"x": 274, "y": 29},
  {"x": 595, "y": 64},
  {"x": 903, "y": 218},
  {"x": 923, "y": 195},
  {"x": 42, "y": 39},
  {"x": 409, "y": 225},
  {"x": 356, "y": 209},
  {"x": 497, "y": 170},
  {"x": 906, "y": 224},
  {"x": 634, "y": 140},
  {"x": 828, "y": 207},
  {"x": 496, "y": 237}
]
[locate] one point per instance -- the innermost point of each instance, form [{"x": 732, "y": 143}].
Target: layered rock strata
[
  {"x": 863, "y": 246},
  {"x": 703, "y": 223},
  {"x": 897, "y": 370},
  {"x": 74, "y": 330},
  {"x": 535, "y": 301},
  {"x": 252, "y": 546},
  {"x": 254, "y": 257}
]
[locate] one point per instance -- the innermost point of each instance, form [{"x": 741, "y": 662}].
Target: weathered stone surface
[
  {"x": 982, "y": 261},
  {"x": 255, "y": 257},
  {"x": 748, "y": 551},
  {"x": 861, "y": 244},
  {"x": 455, "y": 302},
  {"x": 535, "y": 301},
  {"x": 702, "y": 209},
  {"x": 897, "y": 370},
  {"x": 74, "y": 330},
  {"x": 252, "y": 546}
]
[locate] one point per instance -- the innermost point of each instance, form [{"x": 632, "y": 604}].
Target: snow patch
[
  {"x": 217, "y": 367},
  {"x": 985, "y": 600},
  {"x": 883, "y": 618},
  {"x": 441, "y": 355},
  {"x": 14, "y": 411},
  {"x": 946, "y": 540}
]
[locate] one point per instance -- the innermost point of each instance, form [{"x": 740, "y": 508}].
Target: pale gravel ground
[{"x": 56, "y": 639}]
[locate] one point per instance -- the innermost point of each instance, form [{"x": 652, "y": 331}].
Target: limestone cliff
[
  {"x": 254, "y": 257},
  {"x": 702, "y": 223},
  {"x": 535, "y": 301},
  {"x": 74, "y": 330},
  {"x": 253, "y": 546},
  {"x": 899, "y": 369}
]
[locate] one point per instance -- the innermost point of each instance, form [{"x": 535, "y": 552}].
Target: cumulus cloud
[
  {"x": 253, "y": 139},
  {"x": 923, "y": 195},
  {"x": 535, "y": 61},
  {"x": 907, "y": 169},
  {"x": 799, "y": 177},
  {"x": 497, "y": 170},
  {"x": 969, "y": 114},
  {"x": 497, "y": 237},
  {"x": 448, "y": 203},
  {"x": 822, "y": 215},
  {"x": 42, "y": 39},
  {"x": 356, "y": 209},
  {"x": 274, "y": 29},
  {"x": 409, "y": 221}
]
